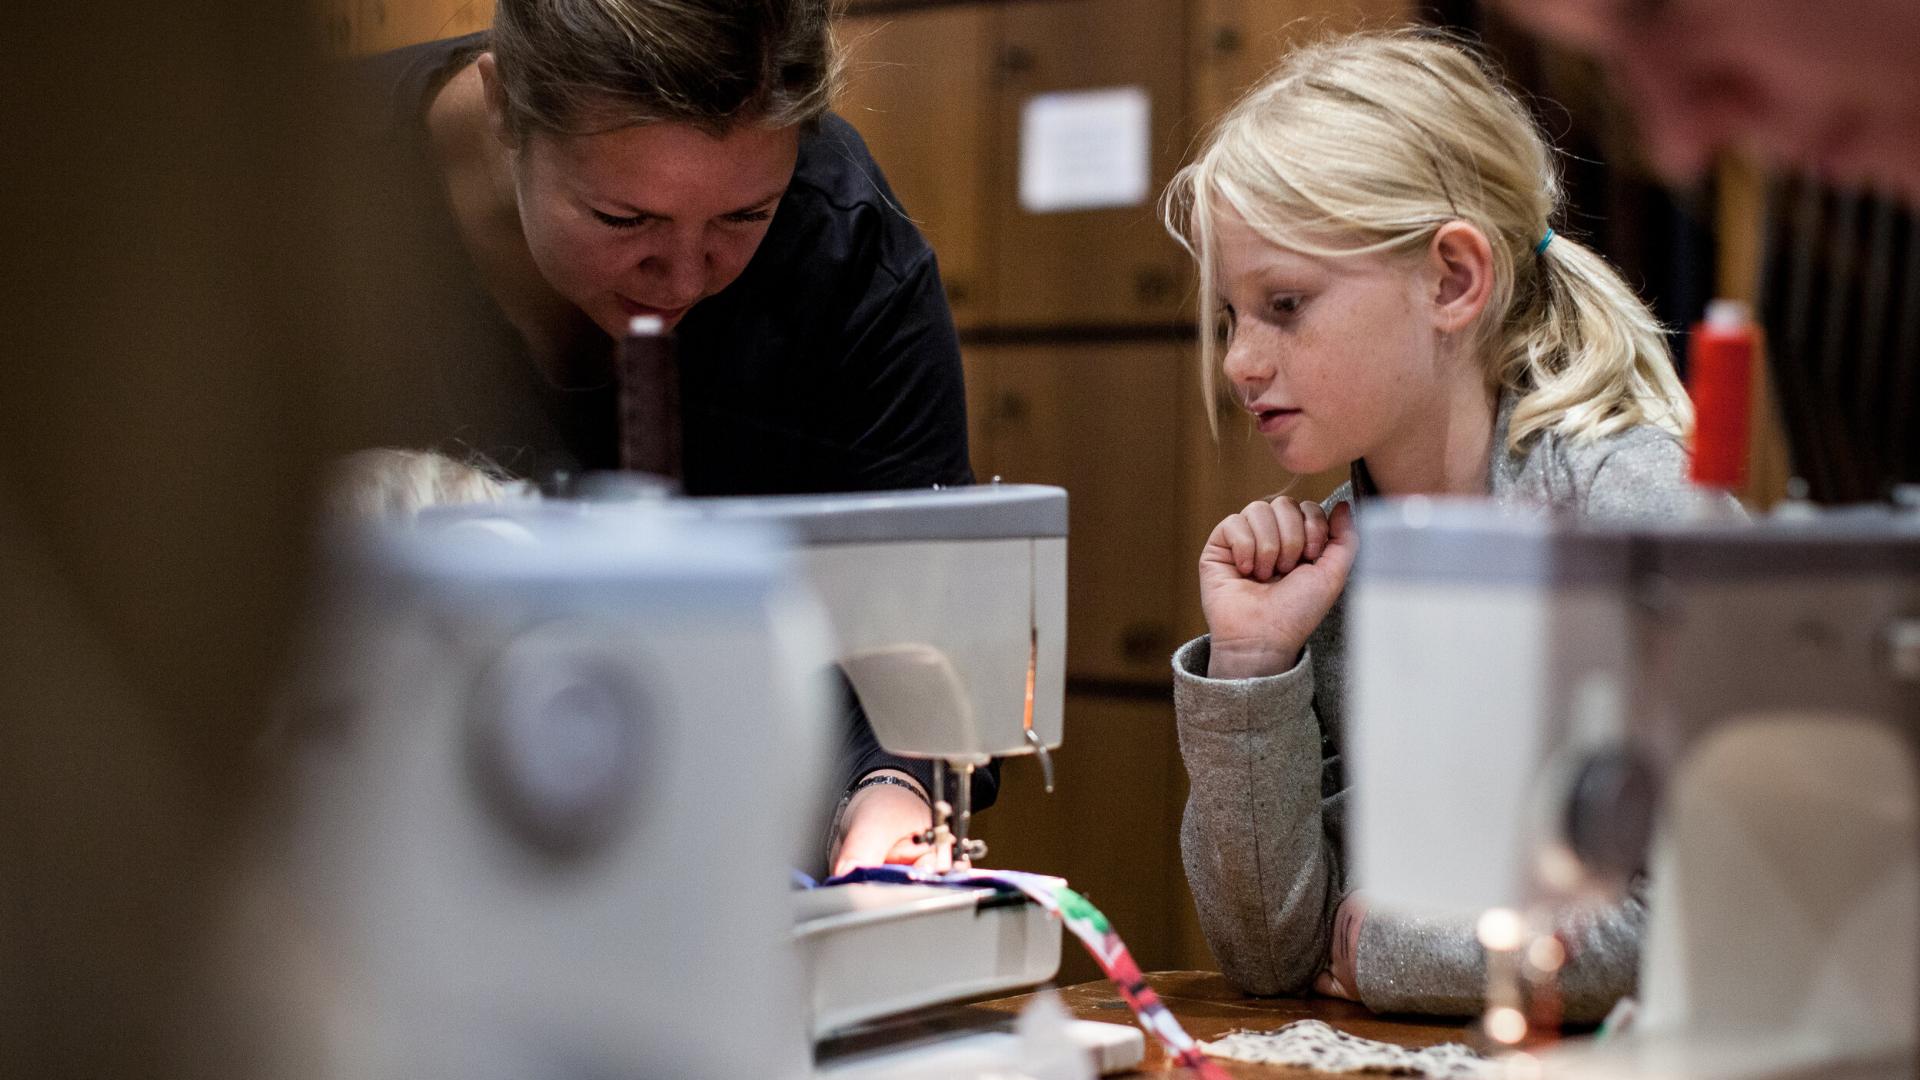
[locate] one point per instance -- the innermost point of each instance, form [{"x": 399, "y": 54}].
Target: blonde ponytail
[
  {"x": 1369, "y": 144},
  {"x": 1590, "y": 358}
]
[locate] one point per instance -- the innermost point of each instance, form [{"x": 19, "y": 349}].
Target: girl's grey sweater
[{"x": 1262, "y": 839}]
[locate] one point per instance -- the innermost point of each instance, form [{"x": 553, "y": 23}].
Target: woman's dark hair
[{"x": 581, "y": 66}]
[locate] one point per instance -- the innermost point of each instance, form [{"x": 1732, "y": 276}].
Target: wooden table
[{"x": 1209, "y": 1008}]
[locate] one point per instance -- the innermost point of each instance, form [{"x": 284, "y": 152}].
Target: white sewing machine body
[
  {"x": 942, "y": 602},
  {"x": 948, "y": 615},
  {"x": 693, "y": 637},
  {"x": 1530, "y": 696},
  {"x": 507, "y": 820}
]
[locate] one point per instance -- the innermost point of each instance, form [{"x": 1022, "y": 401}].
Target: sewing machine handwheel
[
  {"x": 556, "y": 750},
  {"x": 1610, "y": 808}
]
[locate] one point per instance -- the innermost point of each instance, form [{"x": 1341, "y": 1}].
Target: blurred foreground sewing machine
[
  {"x": 576, "y": 746},
  {"x": 1543, "y": 710}
]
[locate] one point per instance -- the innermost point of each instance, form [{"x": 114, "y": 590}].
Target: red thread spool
[{"x": 1720, "y": 381}]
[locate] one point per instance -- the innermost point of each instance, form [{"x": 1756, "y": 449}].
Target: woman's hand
[
  {"x": 1338, "y": 980},
  {"x": 882, "y": 824},
  {"x": 1268, "y": 576}
]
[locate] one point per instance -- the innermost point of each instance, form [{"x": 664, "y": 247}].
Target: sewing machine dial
[{"x": 559, "y": 722}]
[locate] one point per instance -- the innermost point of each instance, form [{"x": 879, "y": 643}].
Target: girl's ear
[
  {"x": 496, "y": 97},
  {"x": 1461, "y": 262}
]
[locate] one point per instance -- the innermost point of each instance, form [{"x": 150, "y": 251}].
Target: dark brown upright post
[{"x": 650, "y": 435}]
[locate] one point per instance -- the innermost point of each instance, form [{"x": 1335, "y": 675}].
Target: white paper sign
[{"x": 1085, "y": 150}]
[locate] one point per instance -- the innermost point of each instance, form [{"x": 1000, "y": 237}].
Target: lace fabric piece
[{"x": 1313, "y": 1044}]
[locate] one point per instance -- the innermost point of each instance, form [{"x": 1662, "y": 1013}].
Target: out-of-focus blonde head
[
  {"x": 1368, "y": 144},
  {"x": 398, "y": 484}
]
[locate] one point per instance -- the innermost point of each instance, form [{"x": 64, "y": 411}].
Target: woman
[{"x": 587, "y": 161}]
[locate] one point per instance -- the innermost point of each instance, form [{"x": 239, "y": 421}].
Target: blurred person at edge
[
  {"x": 1831, "y": 89},
  {"x": 584, "y": 162}
]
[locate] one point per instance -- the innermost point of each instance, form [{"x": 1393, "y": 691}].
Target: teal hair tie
[{"x": 1541, "y": 247}]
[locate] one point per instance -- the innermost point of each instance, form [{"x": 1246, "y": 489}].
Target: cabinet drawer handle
[
  {"x": 1015, "y": 60},
  {"x": 1154, "y": 285},
  {"x": 1142, "y": 642},
  {"x": 1011, "y": 407},
  {"x": 1227, "y": 40}
]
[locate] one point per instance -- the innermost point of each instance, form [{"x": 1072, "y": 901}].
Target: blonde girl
[{"x": 1382, "y": 289}]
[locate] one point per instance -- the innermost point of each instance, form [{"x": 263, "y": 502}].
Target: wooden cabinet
[
  {"x": 917, "y": 87},
  {"x": 1234, "y": 42},
  {"x": 389, "y": 24},
  {"x": 940, "y": 94},
  {"x": 360, "y": 27},
  {"x": 1111, "y": 828},
  {"x": 1104, "y": 422},
  {"x": 1107, "y": 267},
  {"x": 337, "y": 25},
  {"x": 1741, "y": 190}
]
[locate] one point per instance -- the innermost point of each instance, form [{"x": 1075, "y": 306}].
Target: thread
[{"x": 1720, "y": 381}]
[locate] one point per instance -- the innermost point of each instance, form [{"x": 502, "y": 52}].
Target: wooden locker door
[
  {"x": 1111, "y": 827},
  {"x": 1223, "y": 475},
  {"x": 918, "y": 90},
  {"x": 978, "y": 369},
  {"x": 1101, "y": 421},
  {"x": 337, "y": 26},
  {"x": 1741, "y": 189},
  {"x": 1235, "y": 42},
  {"x": 1106, "y": 267},
  {"x": 390, "y": 24}
]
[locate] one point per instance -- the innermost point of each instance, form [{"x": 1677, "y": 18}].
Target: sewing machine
[
  {"x": 948, "y": 613},
  {"x": 546, "y": 768},
  {"x": 586, "y": 741},
  {"x": 1538, "y": 706}
]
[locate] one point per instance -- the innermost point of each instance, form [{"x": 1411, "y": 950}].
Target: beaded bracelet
[
  {"x": 878, "y": 779},
  {"x": 873, "y": 779}
]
